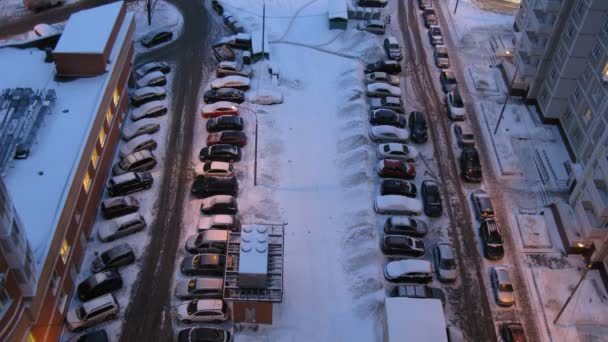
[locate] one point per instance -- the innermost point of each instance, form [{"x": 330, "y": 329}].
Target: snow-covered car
[
  {"x": 378, "y": 76},
  {"x": 403, "y": 225},
  {"x": 219, "y": 204},
  {"x": 393, "y": 168},
  {"x": 147, "y": 94},
  {"x": 503, "y": 288},
  {"x": 234, "y": 81},
  {"x": 139, "y": 161},
  {"x": 203, "y": 310},
  {"x": 409, "y": 270},
  {"x": 163, "y": 67},
  {"x": 442, "y": 59},
  {"x": 455, "y": 106},
  {"x": 227, "y": 68},
  {"x": 266, "y": 97},
  {"x": 143, "y": 142},
  {"x": 92, "y": 312},
  {"x": 156, "y": 37},
  {"x": 373, "y": 26},
  {"x": 397, "y": 151},
  {"x": 45, "y": 30},
  {"x": 141, "y": 127},
  {"x": 118, "y": 206},
  {"x": 392, "y": 48},
  {"x": 390, "y": 102},
  {"x": 464, "y": 134},
  {"x": 215, "y": 168},
  {"x": 121, "y": 226},
  {"x": 445, "y": 262},
  {"x": 150, "y": 110},
  {"x": 152, "y": 79},
  {"x": 435, "y": 35},
  {"x": 227, "y": 222},
  {"x": 387, "y": 134},
  {"x": 382, "y": 90},
  {"x": 219, "y": 108},
  {"x": 397, "y": 205},
  {"x": 200, "y": 288},
  {"x": 240, "y": 41}
]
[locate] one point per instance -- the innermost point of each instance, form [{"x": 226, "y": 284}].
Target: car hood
[
  {"x": 505, "y": 297},
  {"x": 447, "y": 274},
  {"x": 182, "y": 311},
  {"x": 182, "y": 288},
  {"x": 72, "y": 320},
  {"x": 393, "y": 269},
  {"x": 190, "y": 243},
  {"x": 105, "y": 231}
]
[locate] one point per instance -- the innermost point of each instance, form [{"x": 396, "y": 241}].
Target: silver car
[
  {"x": 145, "y": 126},
  {"x": 200, "y": 288},
  {"x": 122, "y": 226},
  {"x": 378, "y": 76},
  {"x": 503, "y": 288},
  {"x": 373, "y": 26},
  {"x": 445, "y": 263},
  {"x": 382, "y": 90}
]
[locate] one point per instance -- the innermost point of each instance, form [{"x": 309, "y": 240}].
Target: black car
[
  {"x": 99, "y": 284},
  {"x": 431, "y": 198},
  {"x": 393, "y": 186},
  {"x": 403, "y": 225},
  {"x": 93, "y": 336},
  {"x": 199, "y": 334},
  {"x": 418, "y": 291},
  {"x": 224, "y": 94},
  {"x": 470, "y": 165},
  {"x": 512, "y": 332},
  {"x": 204, "y": 264},
  {"x": 220, "y": 152},
  {"x": 389, "y": 67},
  {"x": 128, "y": 183},
  {"x": 118, "y": 206},
  {"x": 156, "y": 37},
  {"x": 447, "y": 78},
  {"x": 114, "y": 257},
  {"x": 224, "y": 123},
  {"x": 491, "y": 239},
  {"x": 405, "y": 245},
  {"x": 418, "y": 130},
  {"x": 207, "y": 186},
  {"x": 386, "y": 117}
]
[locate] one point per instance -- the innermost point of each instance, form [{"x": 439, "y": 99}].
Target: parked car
[
  {"x": 470, "y": 164},
  {"x": 99, "y": 284},
  {"x": 138, "y": 161},
  {"x": 389, "y": 67},
  {"x": 224, "y": 123},
  {"x": 378, "y": 76},
  {"x": 400, "y": 244},
  {"x": 502, "y": 285},
  {"x": 394, "y": 168},
  {"x": 382, "y": 90},
  {"x": 512, "y": 332},
  {"x": 92, "y": 312},
  {"x": 397, "y": 205},
  {"x": 221, "y": 152},
  {"x": 266, "y": 97},
  {"x": 224, "y": 94},
  {"x": 430, "y": 17},
  {"x": 491, "y": 240},
  {"x": 144, "y": 142},
  {"x": 141, "y": 127},
  {"x": 204, "y": 264},
  {"x": 373, "y": 26},
  {"x": 393, "y": 186},
  {"x": 119, "y": 255},
  {"x": 147, "y": 94},
  {"x": 435, "y": 35},
  {"x": 418, "y": 291},
  {"x": 208, "y": 241},
  {"x": 206, "y": 186},
  {"x": 128, "y": 183},
  {"x": 219, "y": 108},
  {"x": 424, "y": 4},
  {"x": 372, "y": 3},
  {"x": 149, "y": 67},
  {"x": 93, "y": 336},
  {"x": 403, "y": 225},
  {"x": 445, "y": 262},
  {"x": 431, "y": 198},
  {"x": 226, "y": 68},
  {"x": 152, "y": 79},
  {"x": 397, "y": 151},
  {"x": 235, "y": 138},
  {"x": 240, "y": 41},
  {"x": 442, "y": 59},
  {"x": 389, "y": 102},
  {"x": 215, "y": 168},
  {"x": 387, "y": 134},
  {"x": 386, "y": 117},
  {"x": 447, "y": 78},
  {"x": 156, "y": 37},
  {"x": 203, "y": 310},
  {"x": 118, "y": 206},
  {"x": 233, "y": 81},
  {"x": 418, "y": 129},
  {"x": 455, "y": 106},
  {"x": 227, "y": 222},
  {"x": 409, "y": 270},
  {"x": 199, "y": 334},
  {"x": 219, "y": 204},
  {"x": 464, "y": 135},
  {"x": 482, "y": 204},
  {"x": 150, "y": 109},
  {"x": 121, "y": 226},
  {"x": 392, "y": 48}
]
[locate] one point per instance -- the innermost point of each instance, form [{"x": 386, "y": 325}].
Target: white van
[{"x": 398, "y": 205}]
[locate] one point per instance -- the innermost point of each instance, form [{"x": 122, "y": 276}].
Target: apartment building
[{"x": 49, "y": 198}]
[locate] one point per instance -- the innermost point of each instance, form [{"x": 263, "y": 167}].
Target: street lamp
[
  {"x": 255, "y": 148},
  {"x": 504, "y": 106}
]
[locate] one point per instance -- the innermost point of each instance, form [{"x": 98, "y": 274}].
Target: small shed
[{"x": 338, "y": 15}]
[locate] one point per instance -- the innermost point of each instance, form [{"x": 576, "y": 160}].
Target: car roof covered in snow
[{"x": 415, "y": 319}]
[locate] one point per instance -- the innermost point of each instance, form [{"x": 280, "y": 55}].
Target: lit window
[
  {"x": 86, "y": 183},
  {"x": 102, "y": 136},
  {"x": 30, "y": 338},
  {"x": 588, "y": 114},
  {"x": 109, "y": 116},
  {"x": 94, "y": 158},
  {"x": 116, "y": 96},
  {"x": 605, "y": 72},
  {"x": 65, "y": 250}
]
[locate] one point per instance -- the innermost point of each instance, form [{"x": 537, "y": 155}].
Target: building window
[
  {"x": 109, "y": 116},
  {"x": 5, "y": 301},
  {"x": 31, "y": 338},
  {"x": 55, "y": 279},
  {"x": 587, "y": 115},
  {"x": 570, "y": 30},
  {"x": 86, "y": 183},
  {"x": 553, "y": 75},
  {"x": 102, "y": 136},
  {"x": 73, "y": 273},
  {"x": 61, "y": 302},
  {"x": 605, "y": 72},
  {"x": 64, "y": 251},
  {"x": 94, "y": 158},
  {"x": 595, "y": 53},
  {"x": 115, "y": 97},
  {"x": 577, "y": 94}
]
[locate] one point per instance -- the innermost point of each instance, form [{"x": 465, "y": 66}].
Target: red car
[
  {"x": 214, "y": 110},
  {"x": 227, "y": 137},
  {"x": 393, "y": 168}
]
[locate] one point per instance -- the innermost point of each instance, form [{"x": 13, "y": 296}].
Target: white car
[
  {"x": 373, "y": 26},
  {"x": 155, "y": 78},
  {"x": 266, "y": 97},
  {"x": 227, "y": 222},
  {"x": 220, "y": 108},
  {"x": 455, "y": 105},
  {"x": 142, "y": 142},
  {"x": 378, "y": 76},
  {"x": 43, "y": 30},
  {"x": 141, "y": 127},
  {"x": 203, "y": 310},
  {"x": 227, "y": 68},
  {"x": 382, "y": 90},
  {"x": 219, "y": 204},
  {"x": 409, "y": 270},
  {"x": 147, "y": 94},
  {"x": 233, "y": 81},
  {"x": 150, "y": 110},
  {"x": 164, "y": 67},
  {"x": 397, "y": 151},
  {"x": 92, "y": 312},
  {"x": 388, "y": 134},
  {"x": 397, "y": 205},
  {"x": 215, "y": 168}
]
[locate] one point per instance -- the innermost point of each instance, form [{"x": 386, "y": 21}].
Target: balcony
[
  {"x": 540, "y": 24},
  {"x": 548, "y": 6},
  {"x": 532, "y": 44}
]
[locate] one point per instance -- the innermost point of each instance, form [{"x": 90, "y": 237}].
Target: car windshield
[
  {"x": 506, "y": 288},
  {"x": 495, "y": 237},
  {"x": 448, "y": 264},
  {"x": 192, "y": 307},
  {"x": 457, "y": 101}
]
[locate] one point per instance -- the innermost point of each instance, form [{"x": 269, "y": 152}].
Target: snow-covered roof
[
  {"x": 337, "y": 9},
  {"x": 39, "y": 185},
  {"x": 414, "y": 319},
  {"x": 88, "y": 31}
]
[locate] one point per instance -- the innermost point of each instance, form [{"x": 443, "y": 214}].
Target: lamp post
[
  {"x": 255, "y": 146},
  {"x": 504, "y": 106}
]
